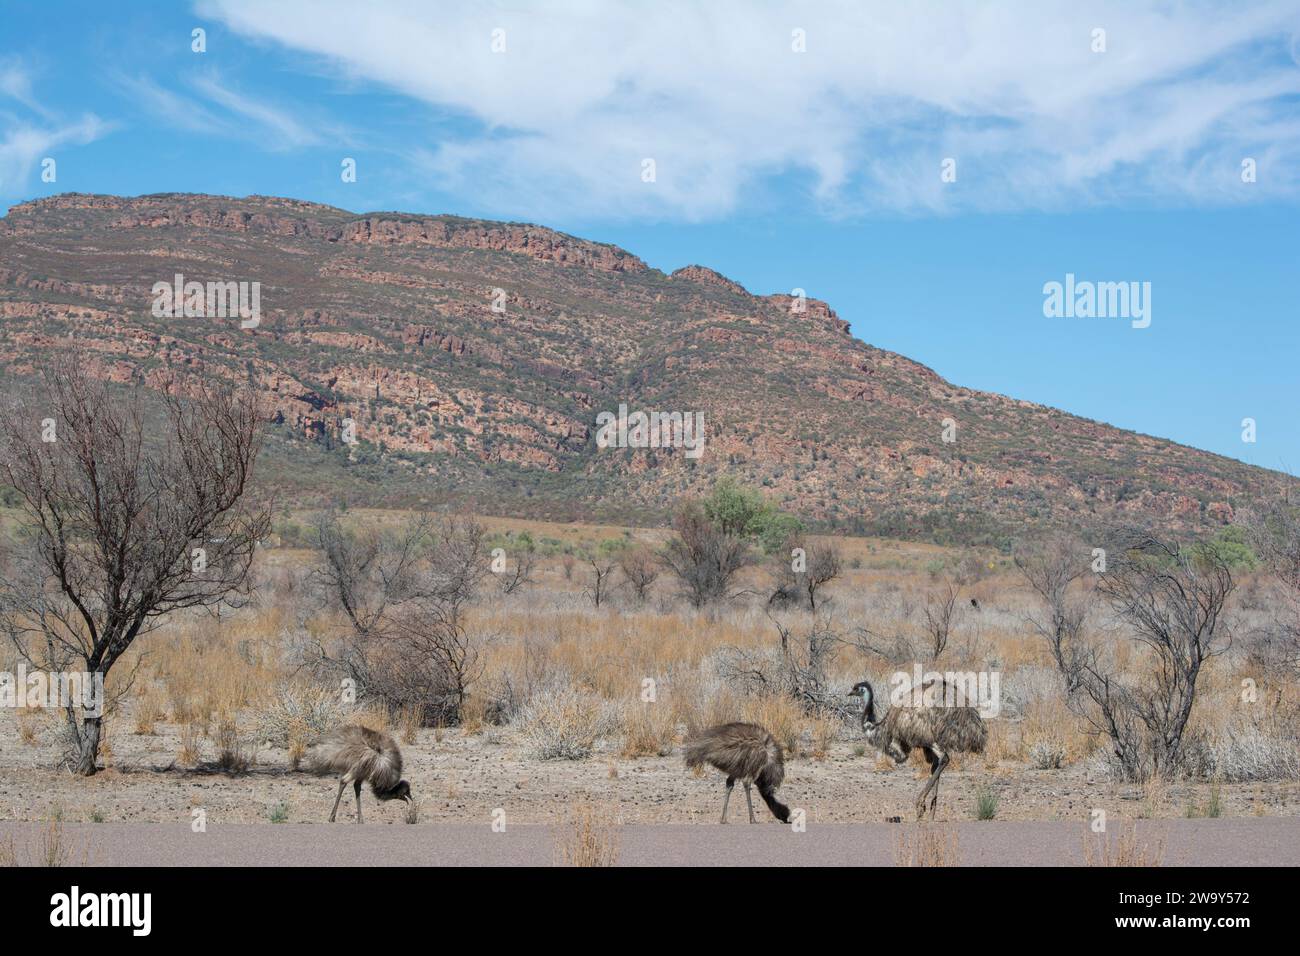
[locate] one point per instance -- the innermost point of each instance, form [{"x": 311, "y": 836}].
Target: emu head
[
  {"x": 400, "y": 792},
  {"x": 876, "y": 735},
  {"x": 862, "y": 689}
]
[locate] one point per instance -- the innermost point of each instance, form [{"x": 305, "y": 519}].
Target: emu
[
  {"x": 361, "y": 755},
  {"x": 938, "y": 730},
  {"x": 744, "y": 752}
]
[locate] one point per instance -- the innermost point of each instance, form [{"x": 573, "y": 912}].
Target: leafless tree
[
  {"x": 640, "y": 569},
  {"x": 799, "y": 667},
  {"x": 1172, "y": 599},
  {"x": 515, "y": 578},
  {"x": 940, "y": 610},
  {"x": 602, "y": 576},
  {"x": 366, "y": 572},
  {"x": 132, "y": 510},
  {"x": 405, "y": 594},
  {"x": 800, "y": 569},
  {"x": 704, "y": 558},
  {"x": 1273, "y": 530}
]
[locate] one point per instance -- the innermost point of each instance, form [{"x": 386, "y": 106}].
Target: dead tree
[
  {"x": 404, "y": 594},
  {"x": 132, "y": 510},
  {"x": 1172, "y": 598},
  {"x": 602, "y": 576},
  {"x": 800, "y": 570},
  {"x": 640, "y": 569}
]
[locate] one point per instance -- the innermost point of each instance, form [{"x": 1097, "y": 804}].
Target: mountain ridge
[{"x": 387, "y": 319}]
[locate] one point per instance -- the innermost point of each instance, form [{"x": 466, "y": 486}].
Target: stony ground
[{"x": 465, "y": 778}]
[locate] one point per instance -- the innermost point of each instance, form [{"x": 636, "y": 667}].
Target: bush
[
  {"x": 1046, "y": 755},
  {"x": 567, "y": 724}
]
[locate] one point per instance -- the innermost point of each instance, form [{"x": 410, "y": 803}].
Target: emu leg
[
  {"x": 731, "y": 782},
  {"x": 342, "y": 783},
  {"x": 938, "y": 773},
  {"x": 749, "y": 800},
  {"x": 929, "y": 785},
  {"x": 356, "y": 788}
]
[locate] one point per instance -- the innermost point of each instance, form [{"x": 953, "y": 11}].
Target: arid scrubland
[{"x": 566, "y": 701}]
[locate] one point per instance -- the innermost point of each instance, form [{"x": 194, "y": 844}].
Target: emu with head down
[
  {"x": 744, "y": 752},
  {"x": 361, "y": 755},
  {"x": 937, "y": 729}
]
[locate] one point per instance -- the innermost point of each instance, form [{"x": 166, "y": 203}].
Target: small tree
[
  {"x": 404, "y": 593},
  {"x": 521, "y": 575},
  {"x": 800, "y": 569},
  {"x": 640, "y": 569},
  {"x": 1173, "y": 599},
  {"x": 704, "y": 557},
  {"x": 602, "y": 562},
  {"x": 131, "y": 513}
]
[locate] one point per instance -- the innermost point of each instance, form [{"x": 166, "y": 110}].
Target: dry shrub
[
  {"x": 296, "y": 713},
  {"x": 781, "y": 716},
  {"x": 27, "y": 720},
  {"x": 410, "y": 719},
  {"x": 590, "y": 837},
  {"x": 148, "y": 710},
  {"x": 51, "y": 848},
  {"x": 191, "y": 741},
  {"x": 649, "y": 730},
  {"x": 567, "y": 724},
  {"x": 1124, "y": 847},
  {"x": 926, "y": 844},
  {"x": 473, "y": 714},
  {"x": 232, "y": 755},
  {"x": 823, "y": 731}
]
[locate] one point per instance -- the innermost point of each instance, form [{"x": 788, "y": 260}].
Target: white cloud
[
  {"x": 26, "y": 141},
  {"x": 713, "y": 92},
  {"x": 221, "y": 112}
]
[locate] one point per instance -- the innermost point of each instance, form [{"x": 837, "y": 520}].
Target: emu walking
[
  {"x": 360, "y": 755},
  {"x": 938, "y": 730},
  {"x": 744, "y": 752}
]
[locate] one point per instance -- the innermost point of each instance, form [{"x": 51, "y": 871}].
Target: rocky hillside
[{"x": 473, "y": 359}]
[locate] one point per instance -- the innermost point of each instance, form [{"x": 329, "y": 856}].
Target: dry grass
[
  {"x": 1123, "y": 847},
  {"x": 591, "y": 836},
  {"x": 50, "y": 848},
  {"x": 926, "y": 844}
]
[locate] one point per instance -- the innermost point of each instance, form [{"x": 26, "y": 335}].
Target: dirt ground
[{"x": 460, "y": 778}]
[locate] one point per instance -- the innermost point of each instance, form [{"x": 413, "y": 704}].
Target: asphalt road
[{"x": 1273, "y": 841}]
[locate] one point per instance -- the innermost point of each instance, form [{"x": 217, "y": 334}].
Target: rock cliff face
[{"x": 471, "y": 360}]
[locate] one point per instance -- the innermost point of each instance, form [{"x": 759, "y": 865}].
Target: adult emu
[
  {"x": 744, "y": 752},
  {"x": 360, "y": 755},
  {"x": 939, "y": 731}
]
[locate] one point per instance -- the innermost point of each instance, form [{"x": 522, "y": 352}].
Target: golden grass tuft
[
  {"x": 590, "y": 837},
  {"x": 1123, "y": 847},
  {"x": 926, "y": 844}
]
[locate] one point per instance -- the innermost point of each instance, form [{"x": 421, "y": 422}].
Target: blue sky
[{"x": 795, "y": 145}]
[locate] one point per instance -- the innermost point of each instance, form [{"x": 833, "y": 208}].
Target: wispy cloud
[
  {"x": 214, "y": 108},
  {"x": 30, "y": 131},
  {"x": 717, "y": 96}
]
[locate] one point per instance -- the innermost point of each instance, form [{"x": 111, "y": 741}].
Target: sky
[{"x": 928, "y": 168}]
